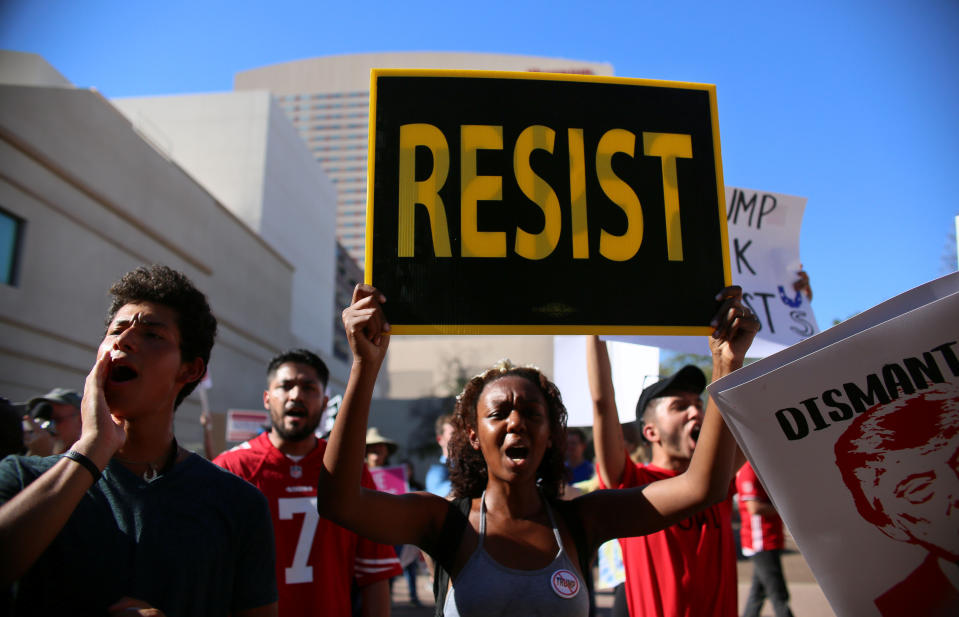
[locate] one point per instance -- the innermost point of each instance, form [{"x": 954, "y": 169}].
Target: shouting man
[
  {"x": 127, "y": 522},
  {"x": 689, "y": 568},
  {"x": 316, "y": 560}
]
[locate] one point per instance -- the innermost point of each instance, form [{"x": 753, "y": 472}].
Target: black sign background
[{"x": 645, "y": 294}]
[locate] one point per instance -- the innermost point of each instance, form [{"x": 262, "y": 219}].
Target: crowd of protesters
[{"x": 103, "y": 512}]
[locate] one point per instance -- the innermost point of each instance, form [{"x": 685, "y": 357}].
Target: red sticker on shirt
[{"x": 564, "y": 583}]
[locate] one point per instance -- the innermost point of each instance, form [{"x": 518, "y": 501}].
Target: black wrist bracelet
[{"x": 73, "y": 455}]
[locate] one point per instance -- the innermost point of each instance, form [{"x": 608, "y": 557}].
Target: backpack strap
[{"x": 444, "y": 551}]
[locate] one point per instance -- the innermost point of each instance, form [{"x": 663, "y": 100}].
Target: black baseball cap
[{"x": 690, "y": 378}]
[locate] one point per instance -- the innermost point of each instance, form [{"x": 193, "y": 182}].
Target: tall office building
[{"x": 328, "y": 101}]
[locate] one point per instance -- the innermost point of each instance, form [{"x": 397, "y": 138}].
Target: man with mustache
[{"x": 316, "y": 560}]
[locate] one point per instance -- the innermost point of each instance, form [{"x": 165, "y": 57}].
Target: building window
[{"x": 11, "y": 235}]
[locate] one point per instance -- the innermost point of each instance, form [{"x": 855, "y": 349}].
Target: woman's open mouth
[{"x": 517, "y": 453}]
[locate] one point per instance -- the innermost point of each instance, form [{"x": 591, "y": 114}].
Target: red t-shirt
[
  {"x": 316, "y": 560},
  {"x": 759, "y": 532},
  {"x": 687, "y": 570}
]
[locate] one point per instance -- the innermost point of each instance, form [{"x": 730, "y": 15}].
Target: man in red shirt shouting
[{"x": 316, "y": 560}]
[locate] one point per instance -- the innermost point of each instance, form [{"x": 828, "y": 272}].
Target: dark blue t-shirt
[{"x": 196, "y": 541}]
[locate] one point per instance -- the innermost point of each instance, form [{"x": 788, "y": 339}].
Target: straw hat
[{"x": 373, "y": 436}]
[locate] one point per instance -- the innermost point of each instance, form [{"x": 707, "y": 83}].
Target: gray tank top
[{"x": 486, "y": 588}]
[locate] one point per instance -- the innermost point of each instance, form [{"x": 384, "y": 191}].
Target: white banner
[
  {"x": 633, "y": 368},
  {"x": 244, "y": 424},
  {"x": 764, "y": 257},
  {"x": 855, "y": 435}
]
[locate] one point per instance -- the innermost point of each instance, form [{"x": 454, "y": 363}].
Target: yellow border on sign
[
  {"x": 710, "y": 89},
  {"x": 720, "y": 186},
  {"x": 370, "y": 164},
  {"x": 528, "y": 76},
  {"x": 553, "y": 329}
]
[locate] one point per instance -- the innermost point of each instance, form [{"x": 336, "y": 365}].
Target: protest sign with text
[
  {"x": 244, "y": 424},
  {"x": 391, "y": 480},
  {"x": 536, "y": 203},
  {"x": 764, "y": 253},
  {"x": 633, "y": 368},
  {"x": 855, "y": 435}
]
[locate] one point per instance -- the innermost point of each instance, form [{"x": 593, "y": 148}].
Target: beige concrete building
[
  {"x": 241, "y": 147},
  {"x": 221, "y": 187},
  {"x": 86, "y": 195},
  {"x": 327, "y": 99},
  {"x": 423, "y": 366},
  {"x": 348, "y": 275}
]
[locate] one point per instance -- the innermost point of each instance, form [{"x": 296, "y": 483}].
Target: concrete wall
[
  {"x": 416, "y": 366},
  {"x": 26, "y": 69},
  {"x": 426, "y": 366},
  {"x": 97, "y": 201},
  {"x": 327, "y": 99},
  {"x": 244, "y": 150}
]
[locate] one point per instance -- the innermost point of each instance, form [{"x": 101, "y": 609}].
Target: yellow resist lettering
[
  {"x": 577, "y": 192},
  {"x": 669, "y": 146},
  {"x": 475, "y": 188},
  {"x": 536, "y": 246},
  {"x": 624, "y": 247},
  {"x": 425, "y": 192}
]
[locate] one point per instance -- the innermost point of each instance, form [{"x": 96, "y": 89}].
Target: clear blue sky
[{"x": 853, "y": 104}]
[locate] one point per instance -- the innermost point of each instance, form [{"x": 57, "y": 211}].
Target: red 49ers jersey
[
  {"x": 685, "y": 570},
  {"x": 316, "y": 560},
  {"x": 759, "y": 532}
]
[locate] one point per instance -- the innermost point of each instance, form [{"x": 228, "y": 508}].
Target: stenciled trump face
[
  {"x": 908, "y": 469},
  {"x": 919, "y": 492}
]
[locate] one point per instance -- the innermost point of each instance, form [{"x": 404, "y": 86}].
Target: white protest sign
[
  {"x": 855, "y": 435},
  {"x": 244, "y": 424},
  {"x": 633, "y": 368},
  {"x": 764, "y": 257},
  {"x": 329, "y": 415}
]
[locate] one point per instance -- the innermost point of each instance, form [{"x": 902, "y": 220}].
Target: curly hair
[
  {"x": 165, "y": 286},
  {"x": 468, "y": 473}
]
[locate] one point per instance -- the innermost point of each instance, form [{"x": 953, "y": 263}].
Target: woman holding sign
[{"x": 507, "y": 543}]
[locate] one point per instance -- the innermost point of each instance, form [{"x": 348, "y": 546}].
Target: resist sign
[{"x": 534, "y": 203}]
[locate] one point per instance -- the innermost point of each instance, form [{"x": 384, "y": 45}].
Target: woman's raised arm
[
  {"x": 390, "y": 519},
  {"x": 714, "y": 462}
]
